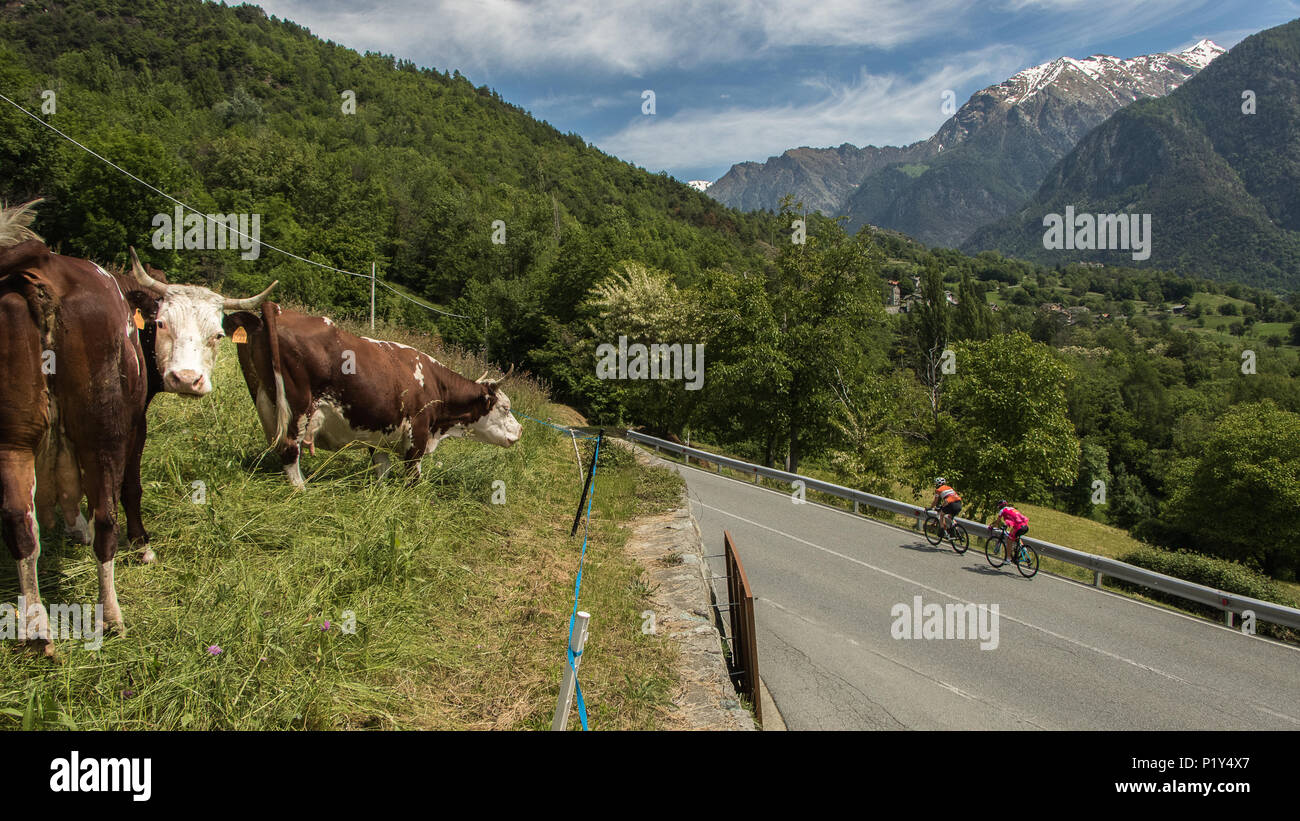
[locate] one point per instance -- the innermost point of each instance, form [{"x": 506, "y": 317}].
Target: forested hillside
[{"x": 233, "y": 112}]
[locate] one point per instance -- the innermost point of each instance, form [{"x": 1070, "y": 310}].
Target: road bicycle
[
  {"x": 996, "y": 550},
  {"x": 956, "y": 535}
]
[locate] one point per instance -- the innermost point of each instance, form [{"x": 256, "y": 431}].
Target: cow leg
[
  {"x": 290, "y": 449},
  {"x": 414, "y": 468},
  {"x": 74, "y": 520},
  {"x": 79, "y": 528},
  {"x": 48, "y": 500},
  {"x": 132, "y": 493},
  {"x": 266, "y": 414},
  {"x": 290, "y": 454},
  {"x": 23, "y": 538},
  {"x": 380, "y": 462},
  {"x": 103, "y": 505},
  {"x": 66, "y": 480},
  {"x": 418, "y": 444}
]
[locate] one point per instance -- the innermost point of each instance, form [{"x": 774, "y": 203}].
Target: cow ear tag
[
  {"x": 139, "y": 320},
  {"x": 239, "y": 337}
]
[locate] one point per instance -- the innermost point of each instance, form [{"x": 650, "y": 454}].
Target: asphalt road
[{"x": 830, "y": 586}]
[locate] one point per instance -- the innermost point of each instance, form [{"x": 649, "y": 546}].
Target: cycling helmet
[
  {"x": 940, "y": 482},
  {"x": 1002, "y": 503}
]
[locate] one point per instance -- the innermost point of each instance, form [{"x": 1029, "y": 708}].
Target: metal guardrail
[
  {"x": 1228, "y": 603},
  {"x": 744, "y": 641}
]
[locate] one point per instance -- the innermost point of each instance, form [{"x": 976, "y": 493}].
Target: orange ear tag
[
  {"x": 239, "y": 337},
  {"x": 139, "y": 320}
]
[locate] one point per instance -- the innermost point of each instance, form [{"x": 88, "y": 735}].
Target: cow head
[
  {"x": 496, "y": 425},
  {"x": 188, "y": 328}
]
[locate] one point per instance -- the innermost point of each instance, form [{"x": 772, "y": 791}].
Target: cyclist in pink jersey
[{"x": 1017, "y": 524}]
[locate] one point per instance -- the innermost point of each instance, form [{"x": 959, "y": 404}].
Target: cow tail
[
  {"x": 270, "y": 312},
  {"x": 40, "y": 312},
  {"x": 15, "y": 223}
]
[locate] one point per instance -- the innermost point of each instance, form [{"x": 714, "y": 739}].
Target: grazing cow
[
  {"x": 77, "y": 382},
  {"x": 315, "y": 384},
  {"x": 180, "y": 328}
]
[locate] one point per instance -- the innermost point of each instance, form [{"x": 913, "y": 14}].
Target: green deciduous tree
[
  {"x": 826, "y": 299},
  {"x": 1241, "y": 497},
  {"x": 878, "y": 424},
  {"x": 745, "y": 365},
  {"x": 1005, "y": 430},
  {"x": 972, "y": 318},
  {"x": 645, "y": 306}
]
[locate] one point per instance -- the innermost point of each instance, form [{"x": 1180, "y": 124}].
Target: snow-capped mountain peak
[
  {"x": 1148, "y": 75},
  {"x": 1202, "y": 54}
]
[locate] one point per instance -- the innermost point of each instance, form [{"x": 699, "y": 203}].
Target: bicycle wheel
[
  {"x": 961, "y": 540},
  {"x": 1027, "y": 564},
  {"x": 994, "y": 551},
  {"x": 933, "y": 532}
]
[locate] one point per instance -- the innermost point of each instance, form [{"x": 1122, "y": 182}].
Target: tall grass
[{"x": 461, "y": 606}]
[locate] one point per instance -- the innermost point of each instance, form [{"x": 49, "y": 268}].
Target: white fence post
[
  {"x": 565, "y": 703},
  {"x": 372, "y": 296}
]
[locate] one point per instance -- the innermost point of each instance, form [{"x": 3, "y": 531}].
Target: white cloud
[
  {"x": 630, "y": 37},
  {"x": 1080, "y": 23},
  {"x": 570, "y": 103},
  {"x": 873, "y": 109}
]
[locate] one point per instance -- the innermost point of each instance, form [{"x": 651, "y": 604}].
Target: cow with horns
[
  {"x": 82, "y": 351},
  {"x": 315, "y": 384}
]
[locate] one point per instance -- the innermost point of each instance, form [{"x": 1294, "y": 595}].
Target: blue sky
[{"x": 739, "y": 80}]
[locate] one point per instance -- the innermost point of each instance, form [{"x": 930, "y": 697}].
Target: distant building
[
  {"x": 1071, "y": 314},
  {"x": 893, "y": 295},
  {"x": 906, "y": 303}
]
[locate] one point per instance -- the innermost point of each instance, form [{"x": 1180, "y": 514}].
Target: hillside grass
[{"x": 461, "y": 606}]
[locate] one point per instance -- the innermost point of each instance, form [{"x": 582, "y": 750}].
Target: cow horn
[
  {"x": 483, "y": 378},
  {"x": 147, "y": 282},
  {"x": 248, "y": 303}
]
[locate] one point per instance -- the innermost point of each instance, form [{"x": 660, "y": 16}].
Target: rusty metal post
[{"x": 744, "y": 641}]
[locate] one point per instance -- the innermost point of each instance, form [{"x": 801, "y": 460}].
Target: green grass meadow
[{"x": 461, "y": 606}]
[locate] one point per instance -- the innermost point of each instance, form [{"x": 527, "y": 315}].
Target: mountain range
[
  {"x": 1216, "y": 165},
  {"x": 982, "y": 164}
]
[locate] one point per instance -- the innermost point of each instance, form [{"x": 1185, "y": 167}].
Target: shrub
[{"x": 1221, "y": 574}]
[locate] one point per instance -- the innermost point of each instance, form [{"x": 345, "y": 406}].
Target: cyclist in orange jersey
[{"x": 947, "y": 501}]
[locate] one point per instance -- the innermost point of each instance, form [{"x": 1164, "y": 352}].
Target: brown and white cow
[
  {"x": 315, "y": 384},
  {"x": 77, "y": 382}
]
